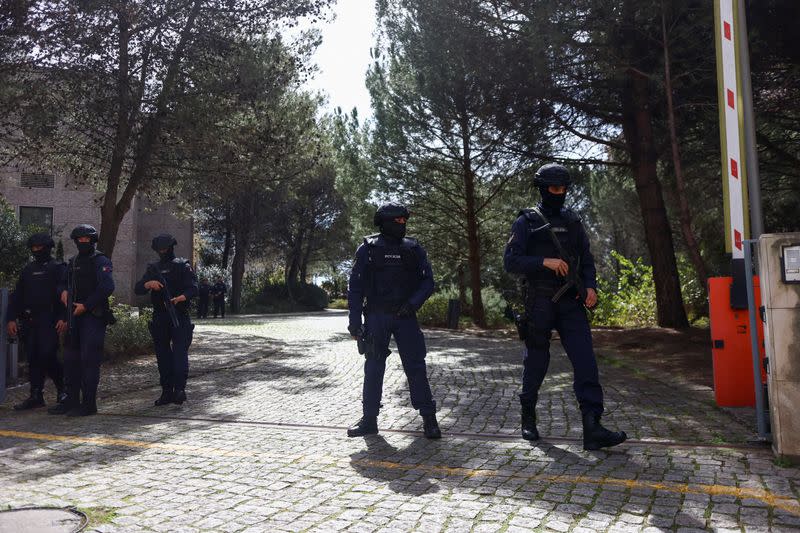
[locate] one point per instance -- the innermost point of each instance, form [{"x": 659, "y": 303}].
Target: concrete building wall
[{"x": 75, "y": 204}]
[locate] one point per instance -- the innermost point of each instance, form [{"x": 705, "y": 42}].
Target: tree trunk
[
  {"x": 237, "y": 270},
  {"x": 638, "y": 132},
  {"x": 462, "y": 287},
  {"x": 226, "y": 249},
  {"x": 685, "y": 215},
  {"x": 114, "y": 209},
  {"x": 473, "y": 241},
  {"x": 306, "y": 257}
]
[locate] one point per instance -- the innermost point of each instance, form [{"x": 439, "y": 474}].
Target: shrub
[
  {"x": 338, "y": 304},
  {"x": 264, "y": 293},
  {"x": 434, "y": 311},
  {"x": 13, "y": 252},
  {"x": 130, "y": 335},
  {"x": 631, "y": 301}
]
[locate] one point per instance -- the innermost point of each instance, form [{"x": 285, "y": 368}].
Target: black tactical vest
[
  {"x": 172, "y": 271},
  {"x": 566, "y": 227},
  {"x": 393, "y": 272},
  {"x": 40, "y": 281},
  {"x": 84, "y": 270}
]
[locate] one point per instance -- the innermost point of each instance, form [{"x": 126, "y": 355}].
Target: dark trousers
[
  {"x": 40, "y": 340},
  {"x": 568, "y": 317},
  {"x": 219, "y": 307},
  {"x": 83, "y": 352},
  {"x": 411, "y": 345},
  {"x": 172, "y": 349},
  {"x": 202, "y": 307}
]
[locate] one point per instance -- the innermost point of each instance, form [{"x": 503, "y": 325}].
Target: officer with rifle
[
  {"x": 550, "y": 249},
  {"x": 392, "y": 273},
  {"x": 35, "y": 303},
  {"x": 172, "y": 284},
  {"x": 85, "y": 288}
]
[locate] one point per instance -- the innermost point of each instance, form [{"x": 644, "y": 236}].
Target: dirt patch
[{"x": 682, "y": 353}]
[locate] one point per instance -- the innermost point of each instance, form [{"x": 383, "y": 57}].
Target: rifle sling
[{"x": 561, "y": 252}]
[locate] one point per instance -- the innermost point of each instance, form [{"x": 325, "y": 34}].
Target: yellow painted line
[{"x": 783, "y": 503}]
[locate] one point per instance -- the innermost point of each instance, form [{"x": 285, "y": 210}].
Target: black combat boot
[
  {"x": 61, "y": 396},
  {"x": 595, "y": 436},
  {"x": 71, "y": 400},
  {"x": 87, "y": 407},
  {"x": 431, "y": 427},
  {"x": 368, "y": 425},
  {"x": 36, "y": 399},
  {"x": 529, "y": 430},
  {"x": 179, "y": 397},
  {"x": 165, "y": 398}
]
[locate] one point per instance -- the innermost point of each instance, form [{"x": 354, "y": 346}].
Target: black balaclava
[
  {"x": 392, "y": 229},
  {"x": 85, "y": 248},
  {"x": 552, "y": 203},
  {"x": 42, "y": 256},
  {"x": 169, "y": 255}
]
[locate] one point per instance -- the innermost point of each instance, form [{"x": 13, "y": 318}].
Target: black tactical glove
[
  {"x": 406, "y": 310},
  {"x": 355, "y": 330}
]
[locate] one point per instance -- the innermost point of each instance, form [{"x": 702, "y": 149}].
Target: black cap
[
  {"x": 390, "y": 211},
  {"x": 41, "y": 239},
  {"x": 163, "y": 241},
  {"x": 84, "y": 230},
  {"x": 552, "y": 174}
]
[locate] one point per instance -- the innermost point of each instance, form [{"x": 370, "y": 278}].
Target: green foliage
[
  {"x": 340, "y": 303},
  {"x": 630, "y": 300},
  {"x": 130, "y": 335},
  {"x": 434, "y": 311},
  {"x": 263, "y": 292},
  {"x": 13, "y": 252}
]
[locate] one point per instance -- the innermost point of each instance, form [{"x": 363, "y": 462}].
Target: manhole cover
[{"x": 42, "y": 520}]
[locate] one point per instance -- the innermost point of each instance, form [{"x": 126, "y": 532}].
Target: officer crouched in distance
[
  {"x": 35, "y": 303},
  {"x": 172, "y": 284},
  {"x": 393, "y": 274},
  {"x": 549, "y": 246},
  {"x": 87, "y": 284}
]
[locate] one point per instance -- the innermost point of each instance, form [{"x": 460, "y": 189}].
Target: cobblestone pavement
[{"x": 260, "y": 446}]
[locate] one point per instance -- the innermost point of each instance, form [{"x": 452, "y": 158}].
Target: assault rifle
[
  {"x": 168, "y": 305},
  {"x": 573, "y": 278}
]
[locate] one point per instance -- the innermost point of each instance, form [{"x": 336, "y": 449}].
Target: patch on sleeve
[{"x": 106, "y": 268}]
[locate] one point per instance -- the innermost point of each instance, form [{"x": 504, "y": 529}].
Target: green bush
[
  {"x": 130, "y": 335},
  {"x": 264, "y": 293},
  {"x": 631, "y": 301},
  {"x": 338, "y": 304},
  {"x": 434, "y": 311},
  {"x": 13, "y": 252}
]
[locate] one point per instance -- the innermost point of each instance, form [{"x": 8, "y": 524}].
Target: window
[
  {"x": 40, "y": 217},
  {"x": 38, "y": 181}
]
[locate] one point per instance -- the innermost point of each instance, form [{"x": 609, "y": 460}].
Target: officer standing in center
[
  {"x": 171, "y": 342},
  {"x": 35, "y": 303},
  {"x": 392, "y": 273},
  {"x": 549, "y": 246},
  {"x": 88, "y": 282},
  {"x": 204, "y": 292}
]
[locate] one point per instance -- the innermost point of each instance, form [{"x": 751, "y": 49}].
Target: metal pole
[
  {"x": 761, "y": 419},
  {"x": 3, "y": 342},
  {"x": 750, "y": 145}
]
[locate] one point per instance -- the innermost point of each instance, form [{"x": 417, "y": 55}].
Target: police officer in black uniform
[
  {"x": 392, "y": 273},
  {"x": 218, "y": 291},
  {"x": 171, "y": 342},
  {"x": 35, "y": 303},
  {"x": 549, "y": 246},
  {"x": 88, "y": 281},
  {"x": 202, "y": 300}
]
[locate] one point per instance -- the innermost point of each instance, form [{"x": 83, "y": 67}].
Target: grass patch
[
  {"x": 783, "y": 462},
  {"x": 98, "y": 515}
]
